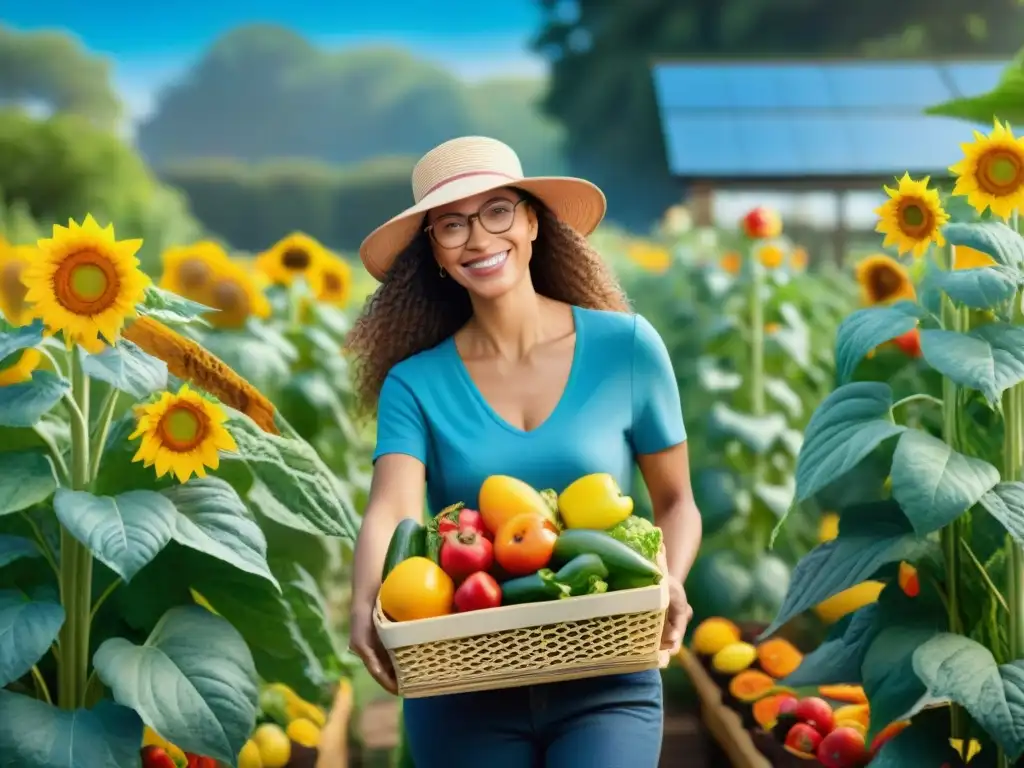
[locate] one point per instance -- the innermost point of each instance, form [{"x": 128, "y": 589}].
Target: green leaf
[
  {"x": 863, "y": 330},
  {"x": 124, "y": 532},
  {"x": 957, "y": 668},
  {"x": 888, "y": 676},
  {"x": 925, "y": 743},
  {"x": 933, "y": 483},
  {"x": 989, "y": 359},
  {"x": 27, "y": 630},
  {"x": 783, "y": 394},
  {"x": 171, "y": 309},
  {"x": 758, "y": 433},
  {"x": 25, "y": 479},
  {"x": 981, "y": 287},
  {"x": 309, "y": 606},
  {"x": 34, "y": 734},
  {"x": 23, "y": 405},
  {"x": 19, "y": 338},
  {"x": 193, "y": 682},
  {"x": 1005, "y": 503},
  {"x": 301, "y": 492},
  {"x": 127, "y": 368},
  {"x": 838, "y": 660},
  {"x": 15, "y": 548},
  {"x": 848, "y": 425},
  {"x": 212, "y": 518},
  {"x": 996, "y": 239},
  {"x": 870, "y": 537}
]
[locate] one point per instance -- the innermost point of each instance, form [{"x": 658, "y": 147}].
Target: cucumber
[
  {"x": 535, "y": 588},
  {"x": 408, "y": 540},
  {"x": 584, "y": 575},
  {"x": 621, "y": 560},
  {"x": 629, "y": 581}
]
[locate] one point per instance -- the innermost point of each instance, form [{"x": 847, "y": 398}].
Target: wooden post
[
  {"x": 702, "y": 205},
  {"x": 842, "y": 226}
]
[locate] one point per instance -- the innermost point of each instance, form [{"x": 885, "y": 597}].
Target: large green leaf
[
  {"x": 925, "y": 743},
  {"x": 957, "y": 668},
  {"x": 839, "y": 659},
  {"x": 863, "y": 330},
  {"x": 19, "y": 338},
  {"x": 25, "y": 479},
  {"x": 23, "y": 405},
  {"x": 979, "y": 288},
  {"x": 15, "y": 548},
  {"x": 933, "y": 483},
  {"x": 27, "y": 630},
  {"x": 888, "y": 678},
  {"x": 871, "y": 537},
  {"x": 1005, "y": 503},
  {"x": 848, "y": 425},
  {"x": 989, "y": 358},
  {"x": 172, "y": 309},
  {"x": 124, "y": 532},
  {"x": 994, "y": 238},
  {"x": 296, "y": 488},
  {"x": 127, "y": 368},
  {"x": 758, "y": 433},
  {"x": 309, "y": 606},
  {"x": 212, "y": 518},
  {"x": 34, "y": 734},
  {"x": 193, "y": 682}
]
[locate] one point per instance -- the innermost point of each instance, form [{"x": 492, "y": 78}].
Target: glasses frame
[{"x": 429, "y": 229}]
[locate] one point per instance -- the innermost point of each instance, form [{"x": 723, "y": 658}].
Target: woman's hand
[
  {"x": 363, "y": 640},
  {"x": 677, "y": 617}
]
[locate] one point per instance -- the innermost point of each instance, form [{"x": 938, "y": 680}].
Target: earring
[{"x": 441, "y": 272}]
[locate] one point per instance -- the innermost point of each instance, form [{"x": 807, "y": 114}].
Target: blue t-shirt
[{"x": 621, "y": 399}]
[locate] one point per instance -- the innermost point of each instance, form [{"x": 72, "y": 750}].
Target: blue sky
[{"x": 149, "y": 44}]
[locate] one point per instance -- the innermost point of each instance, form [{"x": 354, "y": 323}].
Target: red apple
[
  {"x": 816, "y": 712},
  {"x": 843, "y": 748},
  {"x": 803, "y": 739}
]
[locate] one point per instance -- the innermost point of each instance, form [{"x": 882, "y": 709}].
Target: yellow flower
[
  {"x": 335, "y": 281},
  {"x": 991, "y": 175},
  {"x": 913, "y": 217},
  {"x": 968, "y": 752},
  {"x": 883, "y": 280},
  {"x": 232, "y": 290},
  {"x": 770, "y": 256},
  {"x": 828, "y": 527},
  {"x": 969, "y": 258},
  {"x": 731, "y": 263},
  {"x": 771, "y": 328},
  {"x": 187, "y": 270},
  {"x": 650, "y": 258},
  {"x": 17, "y": 367},
  {"x": 297, "y": 255},
  {"x": 182, "y": 434},
  {"x": 798, "y": 259},
  {"x": 13, "y": 260},
  {"x": 85, "y": 283}
]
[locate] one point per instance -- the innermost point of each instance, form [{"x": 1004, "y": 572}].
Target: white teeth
[{"x": 490, "y": 261}]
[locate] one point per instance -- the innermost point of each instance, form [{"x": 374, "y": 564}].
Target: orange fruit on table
[
  {"x": 524, "y": 544},
  {"x": 416, "y": 588}
]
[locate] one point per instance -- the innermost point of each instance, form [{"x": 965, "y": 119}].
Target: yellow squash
[
  {"x": 594, "y": 501},
  {"x": 416, "y": 588}
]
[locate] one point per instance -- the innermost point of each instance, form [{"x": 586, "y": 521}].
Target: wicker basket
[{"x": 518, "y": 645}]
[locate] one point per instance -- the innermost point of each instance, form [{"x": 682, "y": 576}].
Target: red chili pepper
[
  {"x": 465, "y": 552},
  {"x": 156, "y": 757}
]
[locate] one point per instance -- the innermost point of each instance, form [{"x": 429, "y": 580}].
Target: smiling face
[{"x": 485, "y": 242}]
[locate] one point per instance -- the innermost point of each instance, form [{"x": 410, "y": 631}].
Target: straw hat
[{"x": 467, "y": 166}]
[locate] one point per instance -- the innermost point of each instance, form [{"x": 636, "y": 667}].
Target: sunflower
[
  {"x": 770, "y": 256},
  {"x": 798, "y": 259},
  {"x": 991, "y": 175},
  {"x": 182, "y": 434},
  {"x": 232, "y": 291},
  {"x": 17, "y": 367},
  {"x": 883, "y": 280},
  {"x": 650, "y": 258},
  {"x": 913, "y": 217},
  {"x": 335, "y": 281},
  {"x": 13, "y": 260},
  {"x": 969, "y": 258},
  {"x": 731, "y": 263},
  {"x": 85, "y": 283},
  {"x": 297, "y": 255},
  {"x": 187, "y": 270}
]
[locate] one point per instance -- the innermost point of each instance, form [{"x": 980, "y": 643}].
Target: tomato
[
  {"x": 416, "y": 588},
  {"x": 465, "y": 552},
  {"x": 156, "y": 757},
  {"x": 478, "y": 591},
  {"x": 524, "y": 543}
]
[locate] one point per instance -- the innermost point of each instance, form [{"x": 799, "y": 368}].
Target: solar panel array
[{"x": 780, "y": 120}]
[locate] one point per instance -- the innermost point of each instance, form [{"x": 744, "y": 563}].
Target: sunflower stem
[
  {"x": 63, "y": 473},
  {"x": 102, "y": 430},
  {"x": 756, "y": 312},
  {"x": 75, "y": 559}
]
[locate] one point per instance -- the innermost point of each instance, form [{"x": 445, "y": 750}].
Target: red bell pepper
[
  {"x": 478, "y": 591},
  {"x": 156, "y": 757},
  {"x": 464, "y": 552},
  {"x": 195, "y": 761}
]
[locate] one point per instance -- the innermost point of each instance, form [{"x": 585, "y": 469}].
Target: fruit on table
[
  {"x": 465, "y": 551},
  {"x": 585, "y": 574},
  {"x": 594, "y": 501},
  {"x": 750, "y": 685},
  {"x": 417, "y": 588},
  {"x": 850, "y": 694},
  {"x": 779, "y": 657},
  {"x": 275, "y": 747},
  {"x": 761, "y": 223},
  {"x": 843, "y": 748},
  {"x": 408, "y": 540},
  {"x": 734, "y": 658},
  {"x": 304, "y": 732},
  {"x": 156, "y": 757},
  {"x": 713, "y": 634},
  {"x": 249, "y": 757},
  {"x": 525, "y": 543},
  {"x": 815, "y": 712},
  {"x": 766, "y": 710},
  {"x": 851, "y": 714},
  {"x": 503, "y": 497},
  {"x": 478, "y": 591},
  {"x": 803, "y": 739},
  {"x": 620, "y": 559},
  {"x": 297, "y": 708},
  {"x": 535, "y": 588},
  {"x": 198, "y": 761},
  {"x": 849, "y": 600}
]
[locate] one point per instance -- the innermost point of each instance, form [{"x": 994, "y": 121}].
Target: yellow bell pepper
[
  {"x": 849, "y": 600},
  {"x": 595, "y": 502}
]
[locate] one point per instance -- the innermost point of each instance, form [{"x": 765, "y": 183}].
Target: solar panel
[
  {"x": 692, "y": 87},
  {"x": 707, "y": 144},
  {"x": 906, "y": 87}
]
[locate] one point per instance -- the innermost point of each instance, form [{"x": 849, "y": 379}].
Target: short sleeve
[
  {"x": 657, "y": 412},
  {"x": 401, "y": 426}
]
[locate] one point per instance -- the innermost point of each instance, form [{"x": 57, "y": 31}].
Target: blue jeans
[{"x": 602, "y": 722}]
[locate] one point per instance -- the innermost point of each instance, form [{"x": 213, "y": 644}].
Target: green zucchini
[
  {"x": 584, "y": 575},
  {"x": 408, "y": 540},
  {"x": 629, "y": 581},
  {"x": 535, "y": 588},
  {"x": 620, "y": 559}
]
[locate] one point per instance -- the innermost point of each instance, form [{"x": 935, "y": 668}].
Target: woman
[{"x": 499, "y": 343}]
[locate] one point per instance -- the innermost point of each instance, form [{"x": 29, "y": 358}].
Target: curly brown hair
[{"x": 415, "y": 309}]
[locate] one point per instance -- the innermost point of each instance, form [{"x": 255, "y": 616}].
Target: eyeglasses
[{"x": 453, "y": 229}]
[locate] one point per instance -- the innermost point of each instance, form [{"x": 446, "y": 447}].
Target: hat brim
[{"x": 577, "y": 202}]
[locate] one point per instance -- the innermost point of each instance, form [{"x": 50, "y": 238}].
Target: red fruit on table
[
  {"x": 156, "y": 757},
  {"x": 196, "y": 761},
  {"x": 803, "y": 739},
  {"x": 762, "y": 223},
  {"x": 816, "y": 712},
  {"x": 843, "y": 748},
  {"x": 478, "y": 591},
  {"x": 464, "y": 552}
]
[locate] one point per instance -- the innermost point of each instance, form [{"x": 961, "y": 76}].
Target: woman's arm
[{"x": 667, "y": 476}]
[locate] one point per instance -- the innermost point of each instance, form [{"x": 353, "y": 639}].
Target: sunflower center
[
  {"x": 193, "y": 273},
  {"x": 915, "y": 218},
  {"x": 86, "y": 283},
  {"x": 295, "y": 259},
  {"x": 1000, "y": 172},
  {"x": 10, "y": 283},
  {"x": 884, "y": 282},
  {"x": 332, "y": 283},
  {"x": 182, "y": 428}
]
